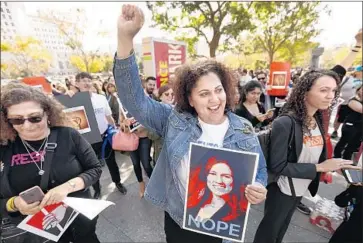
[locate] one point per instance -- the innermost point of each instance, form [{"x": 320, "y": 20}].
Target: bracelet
[{"x": 10, "y": 205}]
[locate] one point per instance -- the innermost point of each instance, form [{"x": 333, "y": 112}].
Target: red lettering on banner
[{"x": 167, "y": 58}]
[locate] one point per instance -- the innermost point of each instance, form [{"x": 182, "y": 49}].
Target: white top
[
  {"x": 348, "y": 90},
  {"x": 101, "y": 109},
  {"x": 213, "y": 136},
  {"x": 310, "y": 153}
]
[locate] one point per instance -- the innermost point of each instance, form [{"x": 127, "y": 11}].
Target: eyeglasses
[
  {"x": 261, "y": 78},
  {"x": 167, "y": 94},
  {"x": 21, "y": 121}
]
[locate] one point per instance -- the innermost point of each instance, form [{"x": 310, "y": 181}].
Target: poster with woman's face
[
  {"x": 79, "y": 118},
  {"x": 279, "y": 80},
  {"x": 215, "y": 202}
]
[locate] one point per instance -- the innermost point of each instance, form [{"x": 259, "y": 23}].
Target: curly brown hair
[
  {"x": 16, "y": 93},
  {"x": 295, "y": 103},
  {"x": 186, "y": 79}
]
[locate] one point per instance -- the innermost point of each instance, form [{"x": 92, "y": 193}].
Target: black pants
[
  {"x": 348, "y": 232},
  {"x": 142, "y": 154},
  {"x": 349, "y": 142},
  {"x": 175, "y": 234},
  {"x": 279, "y": 209},
  {"x": 82, "y": 230},
  {"x": 110, "y": 161}
]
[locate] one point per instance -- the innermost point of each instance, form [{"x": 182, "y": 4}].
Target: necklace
[
  {"x": 26, "y": 144},
  {"x": 33, "y": 149}
]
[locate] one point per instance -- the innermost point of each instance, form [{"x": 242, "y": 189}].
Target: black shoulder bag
[
  {"x": 9, "y": 232},
  {"x": 264, "y": 138}
]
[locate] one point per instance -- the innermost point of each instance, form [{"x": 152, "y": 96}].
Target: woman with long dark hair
[
  {"x": 297, "y": 168},
  {"x": 250, "y": 107}
]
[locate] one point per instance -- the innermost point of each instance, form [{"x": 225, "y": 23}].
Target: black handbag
[{"x": 9, "y": 232}]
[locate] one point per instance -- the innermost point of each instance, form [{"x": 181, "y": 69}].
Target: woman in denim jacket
[{"x": 204, "y": 95}]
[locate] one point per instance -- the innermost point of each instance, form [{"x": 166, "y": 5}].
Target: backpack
[{"x": 264, "y": 139}]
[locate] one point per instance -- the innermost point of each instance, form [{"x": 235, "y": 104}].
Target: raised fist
[{"x": 129, "y": 22}]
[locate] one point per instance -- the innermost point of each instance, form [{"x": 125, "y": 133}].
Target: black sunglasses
[
  {"x": 167, "y": 94},
  {"x": 261, "y": 78},
  {"x": 21, "y": 121}
]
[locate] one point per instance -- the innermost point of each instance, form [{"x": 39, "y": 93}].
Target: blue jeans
[{"x": 142, "y": 154}]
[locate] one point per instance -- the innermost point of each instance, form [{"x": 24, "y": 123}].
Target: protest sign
[{"x": 215, "y": 202}]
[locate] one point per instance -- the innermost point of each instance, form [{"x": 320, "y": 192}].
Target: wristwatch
[{"x": 72, "y": 184}]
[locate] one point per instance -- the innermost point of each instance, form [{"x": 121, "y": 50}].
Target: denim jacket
[{"x": 178, "y": 130}]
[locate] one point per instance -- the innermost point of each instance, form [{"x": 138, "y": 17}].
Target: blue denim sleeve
[
  {"x": 261, "y": 176},
  {"x": 151, "y": 114}
]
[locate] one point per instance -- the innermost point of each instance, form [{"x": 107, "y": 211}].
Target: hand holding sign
[
  {"x": 255, "y": 193},
  {"x": 130, "y": 121}
]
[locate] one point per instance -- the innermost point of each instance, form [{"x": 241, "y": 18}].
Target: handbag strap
[
  {"x": 291, "y": 139},
  {"x": 50, "y": 149}
]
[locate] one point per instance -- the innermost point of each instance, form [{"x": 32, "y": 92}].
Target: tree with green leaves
[
  {"x": 297, "y": 53},
  {"x": 218, "y": 23},
  {"x": 282, "y": 24}
]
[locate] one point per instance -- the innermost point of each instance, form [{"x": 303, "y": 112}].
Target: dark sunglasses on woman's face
[
  {"x": 261, "y": 78},
  {"x": 167, "y": 94},
  {"x": 21, "y": 121}
]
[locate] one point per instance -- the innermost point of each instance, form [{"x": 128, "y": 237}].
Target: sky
[{"x": 339, "y": 28}]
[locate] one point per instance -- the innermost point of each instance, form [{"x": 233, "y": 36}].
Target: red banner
[
  {"x": 39, "y": 82},
  {"x": 167, "y": 58},
  {"x": 279, "y": 79}
]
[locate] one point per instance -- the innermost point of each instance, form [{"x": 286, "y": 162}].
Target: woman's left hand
[
  {"x": 255, "y": 193},
  {"x": 270, "y": 114},
  {"x": 55, "y": 195}
]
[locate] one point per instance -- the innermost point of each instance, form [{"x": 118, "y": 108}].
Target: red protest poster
[
  {"x": 40, "y": 82},
  {"x": 278, "y": 82},
  {"x": 162, "y": 57},
  {"x": 215, "y": 201}
]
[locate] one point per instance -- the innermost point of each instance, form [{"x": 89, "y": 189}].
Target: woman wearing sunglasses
[{"x": 28, "y": 118}]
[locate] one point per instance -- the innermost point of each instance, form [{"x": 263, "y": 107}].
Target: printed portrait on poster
[
  {"x": 79, "y": 117},
  {"x": 279, "y": 80},
  {"x": 215, "y": 202},
  {"x": 80, "y": 109},
  {"x": 51, "y": 222}
]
